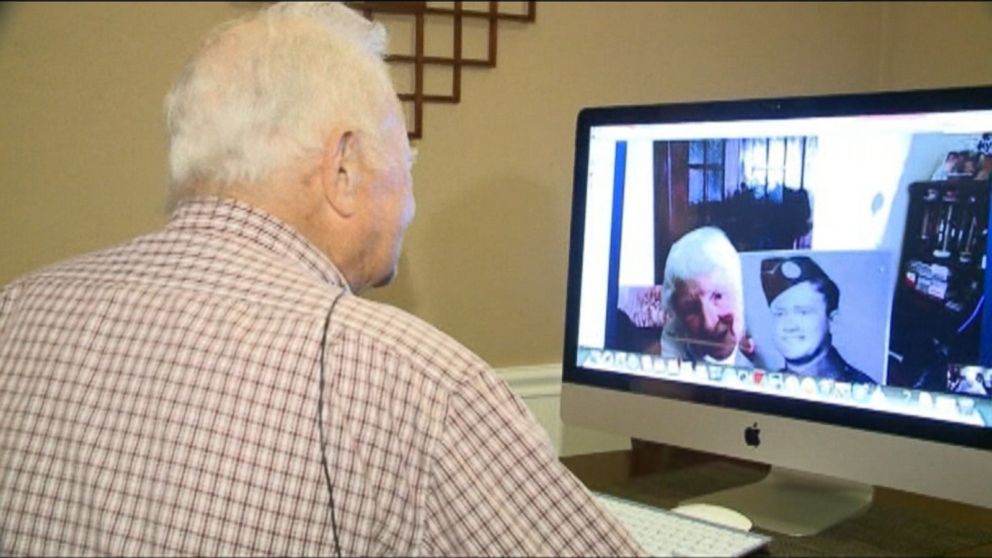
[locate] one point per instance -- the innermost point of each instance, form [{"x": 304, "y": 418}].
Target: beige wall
[
  {"x": 931, "y": 44},
  {"x": 82, "y": 163}
]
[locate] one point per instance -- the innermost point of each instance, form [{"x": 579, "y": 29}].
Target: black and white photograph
[{"x": 805, "y": 312}]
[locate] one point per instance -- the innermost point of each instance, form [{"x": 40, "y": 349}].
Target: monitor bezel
[{"x": 837, "y": 105}]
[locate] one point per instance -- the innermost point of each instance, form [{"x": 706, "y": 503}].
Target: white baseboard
[{"x": 540, "y": 388}]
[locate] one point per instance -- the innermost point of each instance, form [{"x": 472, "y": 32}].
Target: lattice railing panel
[{"x": 428, "y": 37}]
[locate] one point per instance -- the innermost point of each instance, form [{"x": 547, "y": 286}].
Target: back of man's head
[{"x": 264, "y": 90}]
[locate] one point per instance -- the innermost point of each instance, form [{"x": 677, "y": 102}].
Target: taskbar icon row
[
  {"x": 942, "y": 405},
  {"x": 723, "y": 375}
]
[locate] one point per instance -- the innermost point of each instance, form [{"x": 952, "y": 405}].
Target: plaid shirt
[{"x": 161, "y": 398}]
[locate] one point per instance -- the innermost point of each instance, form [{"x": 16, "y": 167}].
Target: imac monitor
[{"x": 802, "y": 282}]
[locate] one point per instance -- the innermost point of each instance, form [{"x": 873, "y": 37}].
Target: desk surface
[{"x": 896, "y": 524}]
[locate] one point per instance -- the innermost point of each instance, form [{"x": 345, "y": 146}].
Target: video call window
[{"x": 820, "y": 209}]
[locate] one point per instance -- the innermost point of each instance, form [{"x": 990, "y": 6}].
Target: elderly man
[
  {"x": 704, "y": 302},
  {"x": 803, "y": 301},
  {"x": 216, "y": 388}
]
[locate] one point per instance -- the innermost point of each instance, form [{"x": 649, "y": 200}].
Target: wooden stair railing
[{"x": 457, "y": 13}]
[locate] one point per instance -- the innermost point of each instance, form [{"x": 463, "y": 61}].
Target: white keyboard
[{"x": 665, "y": 533}]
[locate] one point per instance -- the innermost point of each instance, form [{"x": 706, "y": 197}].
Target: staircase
[{"x": 456, "y": 18}]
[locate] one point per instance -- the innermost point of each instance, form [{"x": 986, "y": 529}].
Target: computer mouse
[{"x": 715, "y": 514}]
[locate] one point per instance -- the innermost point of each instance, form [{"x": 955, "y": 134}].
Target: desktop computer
[{"x": 802, "y": 282}]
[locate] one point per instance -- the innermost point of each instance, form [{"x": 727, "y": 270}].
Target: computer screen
[{"x": 799, "y": 281}]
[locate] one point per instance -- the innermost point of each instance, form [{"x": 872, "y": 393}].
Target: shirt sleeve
[
  {"x": 6, "y": 302},
  {"x": 499, "y": 489}
]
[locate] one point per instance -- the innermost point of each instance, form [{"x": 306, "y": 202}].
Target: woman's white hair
[
  {"x": 699, "y": 252},
  {"x": 265, "y": 89}
]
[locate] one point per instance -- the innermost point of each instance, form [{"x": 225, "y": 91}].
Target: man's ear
[
  {"x": 340, "y": 172},
  {"x": 832, "y": 317}
]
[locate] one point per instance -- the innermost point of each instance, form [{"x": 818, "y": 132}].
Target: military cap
[{"x": 780, "y": 274}]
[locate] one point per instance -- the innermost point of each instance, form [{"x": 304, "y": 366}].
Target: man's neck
[
  {"x": 297, "y": 202},
  {"x": 730, "y": 360},
  {"x": 808, "y": 367}
]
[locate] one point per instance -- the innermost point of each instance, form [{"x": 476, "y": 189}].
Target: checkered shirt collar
[{"x": 228, "y": 216}]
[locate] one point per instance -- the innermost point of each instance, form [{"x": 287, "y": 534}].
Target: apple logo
[{"x": 752, "y": 436}]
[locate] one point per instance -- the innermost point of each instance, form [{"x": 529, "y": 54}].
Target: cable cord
[{"x": 320, "y": 422}]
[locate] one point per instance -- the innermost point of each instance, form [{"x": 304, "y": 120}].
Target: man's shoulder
[
  {"x": 854, "y": 375},
  {"x": 75, "y": 267},
  {"x": 670, "y": 346},
  {"x": 845, "y": 372},
  {"x": 405, "y": 336}
]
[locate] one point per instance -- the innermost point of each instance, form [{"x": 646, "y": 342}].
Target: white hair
[
  {"x": 265, "y": 89},
  {"x": 699, "y": 252}
]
